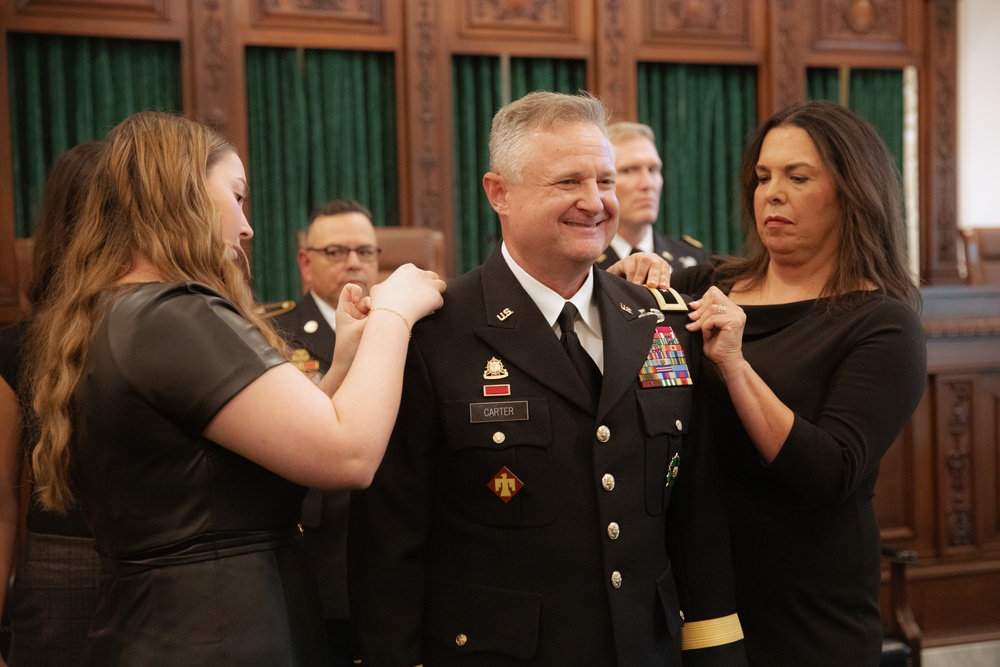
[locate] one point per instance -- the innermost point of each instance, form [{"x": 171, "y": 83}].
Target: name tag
[{"x": 499, "y": 411}]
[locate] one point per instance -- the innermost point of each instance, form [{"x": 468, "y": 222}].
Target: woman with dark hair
[
  {"x": 167, "y": 406},
  {"x": 819, "y": 360},
  {"x": 55, "y": 588}
]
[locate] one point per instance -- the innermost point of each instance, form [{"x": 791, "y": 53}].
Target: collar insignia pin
[
  {"x": 625, "y": 308},
  {"x": 310, "y": 327}
]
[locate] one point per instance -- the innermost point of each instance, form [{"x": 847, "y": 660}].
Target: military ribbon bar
[{"x": 666, "y": 364}]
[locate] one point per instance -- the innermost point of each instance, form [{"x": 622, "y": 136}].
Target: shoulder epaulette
[
  {"x": 274, "y": 309},
  {"x": 693, "y": 241},
  {"x": 677, "y": 301}
]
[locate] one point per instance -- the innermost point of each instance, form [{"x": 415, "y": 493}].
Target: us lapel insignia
[
  {"x": 505, "y": 484},
  {"x": 672, "y": 470},
  {"x": 666, "y": 364},
  {"x": 494, "y": 370},
  {"x": 504, "y": 314},
  {"x": 625, "y": 308}
]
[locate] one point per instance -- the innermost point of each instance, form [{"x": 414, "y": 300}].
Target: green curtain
[
  {"x": 875, "y": 94},
  {"x": 702, "y": 116},
  {"x": 322, "y": 125},
  {"x": 476, "y": 98},
  {"x": 68, "y": 90}
]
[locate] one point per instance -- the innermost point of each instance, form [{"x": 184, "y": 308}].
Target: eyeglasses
[{"x": 339, "y": 253}]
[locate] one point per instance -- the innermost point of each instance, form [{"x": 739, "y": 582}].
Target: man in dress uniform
[
  {"x": 640, "y": 183},
  {"x": 541, "y": 501},
  {"x": 340, "y": 248}
]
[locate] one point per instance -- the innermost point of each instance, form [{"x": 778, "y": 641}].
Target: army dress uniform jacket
[
  {"x": 304, "y": 328},
  {"x": 324, "y": 513},
  {"x": 679, "y": 253},
  {"x": 513, "y": 522}
]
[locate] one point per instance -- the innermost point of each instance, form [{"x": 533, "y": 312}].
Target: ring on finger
[{"x": 720, "y": 309}]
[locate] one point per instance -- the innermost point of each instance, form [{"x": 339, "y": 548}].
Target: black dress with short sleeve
[{"x": 201, "y": 554}]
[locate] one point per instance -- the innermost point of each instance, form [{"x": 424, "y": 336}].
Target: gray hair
[
  {"x": 534, "y": 111},
  {"x": 624, "y": 130}
]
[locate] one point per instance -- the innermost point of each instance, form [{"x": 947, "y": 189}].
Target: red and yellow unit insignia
[
  {"x": 505, "y": 484},
  {"x": 666, "y": 364}
]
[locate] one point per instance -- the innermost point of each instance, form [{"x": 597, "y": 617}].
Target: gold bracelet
[{"x": 396, "y": 313}]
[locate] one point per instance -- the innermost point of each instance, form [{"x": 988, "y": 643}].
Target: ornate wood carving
[
  {"x": 875, "y": 23},
  {"x": 613, "y": 67},
  {"x": 429, "y": 119},
  {"x": 341, "y": 15},
  {"x": 211, "y": 47},
  {"x": 956, "y": 462},
  {"x": 939, "y": 181},
  {"x": 715, "y": 20},
  {"x": 121, "y": 9},
  {"x": 788, "y": 83},
  {"x": 550, "y": 18}
]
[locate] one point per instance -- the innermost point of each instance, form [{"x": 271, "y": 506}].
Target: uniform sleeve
[
  {"x": 698, "y": 545},
  {"x": 187, "y": 352},
  {"x": 870, "y": 398},
  {"x": 389, "y": 525}
]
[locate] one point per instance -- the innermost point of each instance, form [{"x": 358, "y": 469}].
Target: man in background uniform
[
  {"x": 340, "y": 248},
  {"x": 640, "y": 184}
]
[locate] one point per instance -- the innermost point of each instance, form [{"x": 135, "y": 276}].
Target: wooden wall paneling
[
  {"x": 785, "y": 80},
  {"x": 986, "y": 450},
  {"x": 544, "y": 28},
  {"x": 701, "y": 31},
  {"x": 938, "y": 121},
  {"x": 866, "y": 33},
  {"x": 903, "y": 498},
  {"x": 428, "y": 115},
  {"x": 955, "y": 488},
  {"x": 614, "y": 59}
]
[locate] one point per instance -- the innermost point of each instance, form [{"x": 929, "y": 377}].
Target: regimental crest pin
[
  {"x": 672, "y": 470},
  {"x": 494, "y": 370}
]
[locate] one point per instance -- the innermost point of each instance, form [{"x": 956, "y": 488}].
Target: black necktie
[
  {"x": 634, "y": 251},
  {"x": 584, "y": 364}
]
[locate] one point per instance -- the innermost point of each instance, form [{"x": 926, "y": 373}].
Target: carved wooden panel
[
  {"x": 956, "y": 464},
  {"x": 717, "y": 21},
  {"x": 938, "y": 120},
  {"x": 986, "y": 444},
  {"x": 490, "y": 19},
  {"x": 787, "y": 51},
  {"x": 428, "y": 89},
  {"x": 213, "y": 62},
  {"x": 615, "y": 66},
  {"x": 341, "y": 15},
  {"x": 132, "y": 9},
  {"x": 867, "y": 24}
]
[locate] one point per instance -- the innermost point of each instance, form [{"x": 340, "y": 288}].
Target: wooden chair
[
  {"x": 901, "y": 645},
  {"x": 422, "y": 246},
  {"x": 982, "y": 255},
  {"x": 24, "y": 250}
]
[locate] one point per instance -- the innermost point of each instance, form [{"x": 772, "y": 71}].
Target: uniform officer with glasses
[{"x": 340, "y": 248}]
